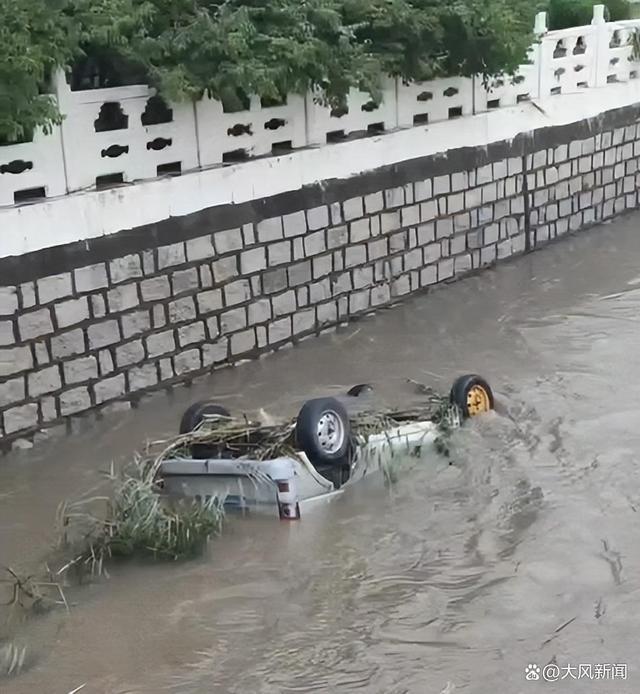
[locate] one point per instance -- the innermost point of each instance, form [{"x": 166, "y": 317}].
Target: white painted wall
[
  {"x": 557, "y": 86},
  {"x": 91, "y": 214}
]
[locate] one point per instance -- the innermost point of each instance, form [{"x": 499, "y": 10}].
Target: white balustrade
[
  {"x": 436, "y": 100},
  {"x": 258, "y": 131},
  {"x": 125, "y": 134},
  {"x": 360, "y": 115},
  {"x": 32, "y": 170}
]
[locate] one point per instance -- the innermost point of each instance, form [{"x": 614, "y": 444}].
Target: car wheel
[
  {"x": 196, "y": 413},
  {"x": 360, "y": 389},
  {"x": 192, "y": 417},
  {"x": 323, "y": 431},
  {"x": 472, "y": 395}
]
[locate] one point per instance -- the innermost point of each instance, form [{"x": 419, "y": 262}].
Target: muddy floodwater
[{"x": 524, "y": 551}]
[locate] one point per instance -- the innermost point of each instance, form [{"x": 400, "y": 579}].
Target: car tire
[
  {"x": 360, "y": 389},
  {"x": 323, "y": 432},
  {"x": 195, "y": 414},
  {"x": 472, "y": 395}
]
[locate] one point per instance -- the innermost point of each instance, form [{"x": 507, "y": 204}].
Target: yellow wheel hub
[{"x": 478, "y": 401}]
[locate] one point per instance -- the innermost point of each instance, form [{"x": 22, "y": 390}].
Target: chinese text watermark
[{"x": 583, "y": 671}]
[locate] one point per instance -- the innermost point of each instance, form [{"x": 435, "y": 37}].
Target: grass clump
[{"x": 134, "y": 518}]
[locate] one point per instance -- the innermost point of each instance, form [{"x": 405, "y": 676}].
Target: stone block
[
  {"x": 129, "y": 353},
  {"x": 280, "y": 330},
  {"x": 315, "y": 243},
  {"x": 259, "y": 312},
  {"x": 160, "y": 343},
  {"x": 455, "y": 203},
  {"x": 215, "y": 353},
  {"x": 206, "y": 277},
  {"x": 423, "y": 190},
  {"x": 191, "y": 334},
  {"x": 200, "y": 249},
  {"x": 98, "y": 306},
  {"x": 159, "y": 316},
  {"x": 270, "y": 230},
  {"x": 400, "y": 286},
  {"x": 237, "y": 292},
  {"x": 213, "y": 327},
  {"x": 359, "y": 230},
  {"x": 295, "y": 224},
  {"x": 149, "y": 263},
  {"x": 122, "y": 298},
  {"x": 410, "y": 216},
  {"x": 242, "y": 343},
  {"x": 42, "y": 353},
  {"x": 135, "y": 323},
  {"x": 336, "y": 218},
  {"x": 279, "y": 253},
  {"x": 54, "y": 287},
  {"x": 353, "y": 208},
  {"x": 426, "y": 233},
  {"x": 444, "y": 228},
  {"x": 68, "y": 343},
  {"x": 91, "y": 277},
  {"x": 105, "y": 361},
  {"x": 8, "y": 301},
  {"x": 284, "y": 304},
  {"x": 489, "y": 193},
  {"x": 209, "y": 301},
  {"x": 171, "y": 255},
  {"x": 21, "y": 418},
  {"x": 389, "y": 221},
  {"x": 71, "y": 312},
  {"x": 12, "y": 391},
  {"x": 80, "y": 370},
  {"x": 123, "y": 269},
  {"x": 373, "y": 203},
  {"x": 398, "y": 241},
  {"x": 355, "y": 255},
  {"x": 378, "y": 249},
  {"x": 300, "y": 273},
  {"x": 182, "y": 310},
  {"x": 103, "y": 334},
  {"x": 253, "y": 261},
  {"x": 233, "y": 321},
  {"x": 109, "y": 389},
  {"x": 44, "y": 381},
  {"x": 304, "y": 321},
  {"x": 28, "y": 294},
  {"x": 441, "y": 185},
  {"x": 394, "y": 197},
  {"x": 144, "y": 376},
  {"x": 322, "y": 266},
  {"x": 35, "y": 324},
  {"x": 74, "y": 400},
  {"x": 317, "y": 218},
  {"x": 337, "y": 236},
  {"x": 327, "y": 314},
  {"x": 155, "y": 288},
  {"x": 185, "y": 280},
  {"x": 500, "y": 169},
  {"x": 274, "y": 280}
]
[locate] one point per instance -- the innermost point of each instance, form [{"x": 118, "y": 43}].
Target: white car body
[{"x": 286, "y": 486}]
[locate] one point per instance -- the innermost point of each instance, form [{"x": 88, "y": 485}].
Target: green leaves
[{"x": 231, "y": 48}]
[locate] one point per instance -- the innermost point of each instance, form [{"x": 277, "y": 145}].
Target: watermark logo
[
  {"x": 532, "y": 672},
  {"x": 583, "y": 671}
]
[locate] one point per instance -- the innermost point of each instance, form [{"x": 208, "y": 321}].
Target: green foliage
[
  {"x": 35, "y": 39},
  {"x": 563, "y": 14},
  {"x": 231, "y": 48}
]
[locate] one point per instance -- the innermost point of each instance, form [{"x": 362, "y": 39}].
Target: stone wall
[{"x": 87, "y": 324}]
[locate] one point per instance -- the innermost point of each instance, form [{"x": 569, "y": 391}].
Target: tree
[
  {"x": 232, "y": 48},
  {"x": 35, "y": 38}
]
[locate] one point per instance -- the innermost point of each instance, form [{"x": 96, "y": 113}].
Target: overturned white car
[{"x": 333, "y": 442}]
